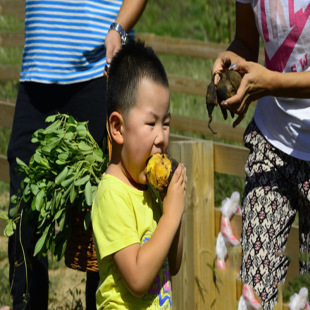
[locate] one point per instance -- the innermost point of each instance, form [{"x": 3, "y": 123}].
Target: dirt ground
[{"x": 67, "y": 286}]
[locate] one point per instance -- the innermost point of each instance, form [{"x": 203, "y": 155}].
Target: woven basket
[{"x": 80, "y": 252}]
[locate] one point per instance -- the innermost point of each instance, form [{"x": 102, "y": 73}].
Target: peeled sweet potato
[{"x": 159, "y": 171}]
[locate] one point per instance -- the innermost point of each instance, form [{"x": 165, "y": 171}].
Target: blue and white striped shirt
[{"x": 64, "y": 39}]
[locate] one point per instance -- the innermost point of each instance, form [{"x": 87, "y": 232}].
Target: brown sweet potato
[{"x": 227, "y": 87}]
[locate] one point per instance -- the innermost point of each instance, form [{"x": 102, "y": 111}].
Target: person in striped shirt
[{"x": 68, "y": 43}]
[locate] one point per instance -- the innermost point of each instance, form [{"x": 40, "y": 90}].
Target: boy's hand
[{"x": 174, "y": 201}]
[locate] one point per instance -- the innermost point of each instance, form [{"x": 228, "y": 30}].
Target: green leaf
[
  {"x": 81, "y": 130},
  {"x": 33, "y": 203},
  {"x": 65, "y": 194},
  {"x": 84, "y": 146},
  {"x": 34, "y": 189},
  {"x": 43, "y": 212},
  {"x": 60, "y": 245},
  {"x": 67, "y": 182},
  {"x": 98, "y": 155},
  {"x": 4, "y": 216},
  {"x": 51, "y": 118},
  {"x": 13, "y": 211},
  {"x": 50, "y": 146},
  {"x": 62, "y": 222},
  {"x": 72, "y": 120},
  {"x": 20, "y": 162},
  {"x": 9, "y": 228},
  {"x": 60, "y": 162},
  {"x": 14, "y": 199},
  {"x": 88, "y": 193},
  {"x": 82, "y": 181},
  {"x": 73, "y": 194},
  {"x": 40, "y": 243},
  {"x": 40, "y": 200},
  {"x": 63, "y": 156},
  {"x": 58, "y": 214},
  {"x": 69, "y": 136},
  {"x": 61, "y": 176},
  {"x": 87, "y": 220},
  {"x": 54, "y": 126},
  {"x": 58, "y": 198},
  {"x": 27, "y": 191}
]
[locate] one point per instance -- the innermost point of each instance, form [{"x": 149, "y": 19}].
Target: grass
[{"x": 196, "y": 19}]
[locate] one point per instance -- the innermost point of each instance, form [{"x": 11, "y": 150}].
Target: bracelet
[{"x": 120, "y": 30}]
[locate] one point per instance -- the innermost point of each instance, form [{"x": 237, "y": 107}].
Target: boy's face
[{"x": 146, "y": 129}]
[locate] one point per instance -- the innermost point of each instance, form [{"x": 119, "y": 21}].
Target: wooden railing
[
  {"x": 194, "y": 287},
  {"x": 198, "y": 285}
]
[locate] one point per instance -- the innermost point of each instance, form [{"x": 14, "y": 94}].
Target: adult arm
[
  {"x": 128, "y": 15},
  {"x": 245, "y": 44},
  {"x": 257, "y": 81},
  {"x": 139, "y": 265}
]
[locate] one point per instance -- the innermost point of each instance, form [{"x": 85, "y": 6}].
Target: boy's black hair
[{"x": 129, "y": 66}]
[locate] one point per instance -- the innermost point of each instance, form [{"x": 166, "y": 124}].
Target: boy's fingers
[{"x": 179, "y": 173}]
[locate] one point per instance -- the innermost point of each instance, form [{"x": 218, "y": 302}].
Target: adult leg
[
  {"x": 268, "y": 211},
  {"x": 26, "y": 121},
  {"x": 303, "y": 181},
  {"x": 86, "y": 102}
]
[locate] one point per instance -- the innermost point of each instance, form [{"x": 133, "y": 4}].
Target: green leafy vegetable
[{"x": 62, "y": 176}]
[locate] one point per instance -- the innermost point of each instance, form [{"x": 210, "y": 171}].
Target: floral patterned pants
[{"x": 277, "y": 186}]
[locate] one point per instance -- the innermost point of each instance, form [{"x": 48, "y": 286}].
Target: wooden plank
[
  {"x": 2, "y": 225},
  {"x": 9, "y": 73},
  {"x": 228, "y": 283},
  {"x": 202, "y": 197},
  {"x": 200, "y": 127},
  {"x": 13, "y": 7},
  {"x": 193, "y": 285},
  {"x": 279, "y": 304},
  {"x": 187, "y": 85},
  {"x": 12, "y": 39},
  {"x": 6, "y": 114},
  {"x": 186, "y": 47},
  {"x": 183, "y": 47},
  {"x": 184, "y": 282},
  {"x": 4, "y": 169},
  {"x": 230, "y": 159},
  {"x": 178, "y": 84},
  {"x": 292, "y": 251}
]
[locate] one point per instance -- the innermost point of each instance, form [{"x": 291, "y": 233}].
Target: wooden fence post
[{"x": 193, "y": 287}]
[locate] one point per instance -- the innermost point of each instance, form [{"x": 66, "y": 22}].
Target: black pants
[{"x": 86, "y": 102}]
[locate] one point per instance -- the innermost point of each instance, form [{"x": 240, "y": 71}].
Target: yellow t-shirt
[{"x": 122, "y": 216}]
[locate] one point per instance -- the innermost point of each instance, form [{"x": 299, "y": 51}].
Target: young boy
[{"x": 138, "y": 236}]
